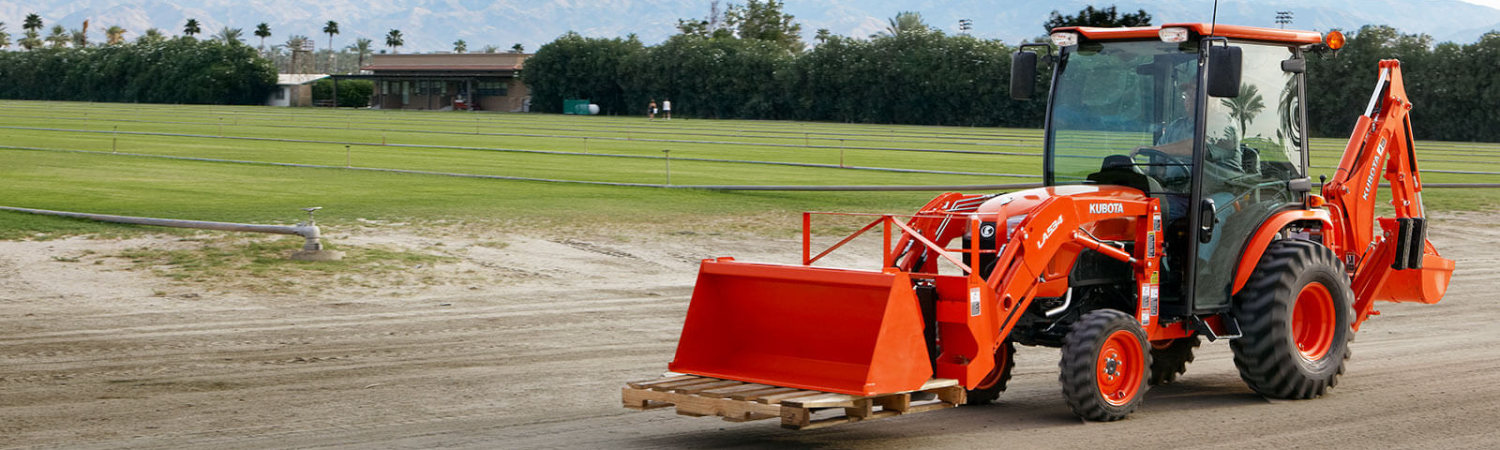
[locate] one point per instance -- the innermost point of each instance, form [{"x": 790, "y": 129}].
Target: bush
[
  {"x": 352, "y": 93},
  {"x": 183, "y": 70}
]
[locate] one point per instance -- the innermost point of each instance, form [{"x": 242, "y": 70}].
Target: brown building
[{"x": 444, "y": 81}]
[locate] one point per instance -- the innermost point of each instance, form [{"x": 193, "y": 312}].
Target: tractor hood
[{"x": 1016, "y": 206}]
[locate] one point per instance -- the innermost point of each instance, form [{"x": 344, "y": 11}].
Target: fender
[{"x": 1267, "y": 232}]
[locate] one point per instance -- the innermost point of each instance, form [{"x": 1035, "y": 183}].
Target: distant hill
[{"x": 433, "y": 25}]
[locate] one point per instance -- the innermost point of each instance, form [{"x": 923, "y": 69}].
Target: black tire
[
  {"x": 993, "y": 384},
  {"x": 1105, "y": 364},
  {"x": 1170, "y": 360},
  {"x": 1291, "y": 349}
]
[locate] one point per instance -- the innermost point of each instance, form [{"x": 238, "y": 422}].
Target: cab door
[{"x": 1251, "y": 147}]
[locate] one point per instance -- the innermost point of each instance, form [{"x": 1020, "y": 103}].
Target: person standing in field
[
  {"x": 651, "y": 110},
  {"x": 666, "y": 107}
]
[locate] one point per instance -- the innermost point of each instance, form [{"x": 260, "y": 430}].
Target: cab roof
[{"x": 1202, "y": 29}]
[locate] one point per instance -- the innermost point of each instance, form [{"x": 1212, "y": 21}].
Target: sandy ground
[{"x": 525, "y": 344}]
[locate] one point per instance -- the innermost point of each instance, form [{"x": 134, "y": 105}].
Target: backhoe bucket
[{"x": 835, "y": 330}]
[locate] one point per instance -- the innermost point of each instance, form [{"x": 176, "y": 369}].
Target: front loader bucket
[{"x": 835, "y": 330}]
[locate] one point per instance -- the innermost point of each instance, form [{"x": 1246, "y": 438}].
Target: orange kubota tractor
[{"x": 1177, "y": 204}]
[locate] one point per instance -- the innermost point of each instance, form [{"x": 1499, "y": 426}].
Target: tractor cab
[{"x": 1211, "y": 126}]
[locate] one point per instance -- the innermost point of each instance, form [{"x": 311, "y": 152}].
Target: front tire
[
  {"x": 993, "y": 384},
  {"x": 1105, "y": 363},
  {"x": 1296, "y": 316}
]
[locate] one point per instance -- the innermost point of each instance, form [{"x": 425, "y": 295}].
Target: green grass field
[{"x": 114, "y": 159}]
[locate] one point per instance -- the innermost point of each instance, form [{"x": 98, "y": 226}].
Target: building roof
[
  {"x": 465, "y": 63},
  {"x": 293, "y": 79},
  {"x": 456, "y": 67}
]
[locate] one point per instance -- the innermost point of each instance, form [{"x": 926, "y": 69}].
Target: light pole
[{"x": 1283, "y": 18}]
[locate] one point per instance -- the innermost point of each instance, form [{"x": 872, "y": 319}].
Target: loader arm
[
  {"x": 1398, "y": 265},
  {"x": 970, "y": 333}
]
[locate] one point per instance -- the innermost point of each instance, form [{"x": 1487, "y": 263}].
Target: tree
[
  {"x": 905, "y": 22},
  {"x": 165, "y": 71},
  {"x": 331, "y": 28},
  {"x": 518, "y": 48},
  {"x": 492, "y": 48},
  {"x": 363, "y": 48},
  {"x": 152, "y": 35},
  {"x": 1092, "y": 17},
  {"x": 229, "y": 36},
  {"x": 1245, "y": 106},
  {"x": 191, "y": 28},
  {"x": 114, "y": 35},
  {"x": 296, "y": 43},
  {"x": 79, "y": 37},
  {"x": 263, "y": 31},
  {"x": 32, "y": 38},
  {"x": 4, "y": 36},
  {"x": 59, "y": 37},
  {"x": 823, "y": 35},
  {"x": 393, "y": 40},
  {"x": 33, "y": 22},
  {"x": 765, "y": 21},
  {"x": 459, "y": 46}
]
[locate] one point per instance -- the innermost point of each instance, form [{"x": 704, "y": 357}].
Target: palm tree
[
  {"x": 823, "y": 35},
  {"x": 330, "y": 29},
  {"x": 79, "y": 38},
  {"x": 517, "y": 48},
  {"x": 263, "y": 31},
  {"x": 229, "y": 36},
  {"x": 364, "y": 48},
  {"x": 33, "y": 22},
  {"x": 191, "y": 28},
  {"x": 59, "y": 37},
  {"x": 459, "y": 46},
  {"x": 393, "y": 40},
  {"x": 114, "y": 35},
  {"x": 4, "y": 37},
  {"x": 296, "y": 43},
  {"x": 1245, "y": 106},
  {"x": 904, "y": 22},
  {"x": 152, "y": 35}
]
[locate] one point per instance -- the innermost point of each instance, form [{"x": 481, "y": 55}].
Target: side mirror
[
  {"x": 1022, "y": 74},
  {"x": 1207, "y": 216},
  {"x": 1224, "y": 70}
]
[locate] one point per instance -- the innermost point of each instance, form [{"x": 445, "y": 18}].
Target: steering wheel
[{"x": 1165, "y": 167}]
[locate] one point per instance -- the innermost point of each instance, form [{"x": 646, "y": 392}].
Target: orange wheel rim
[
  {"x": 1119, "y": 368},
  {"x": 1313, "y": 322}
]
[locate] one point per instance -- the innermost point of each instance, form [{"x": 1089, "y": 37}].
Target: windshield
[{"x": 1114, "y": 97}]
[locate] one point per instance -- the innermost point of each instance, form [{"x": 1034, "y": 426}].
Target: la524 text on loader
[{"x": 1176, "y": 205}]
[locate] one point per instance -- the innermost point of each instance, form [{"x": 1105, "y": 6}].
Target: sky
[{"x": 434, "y": 25}]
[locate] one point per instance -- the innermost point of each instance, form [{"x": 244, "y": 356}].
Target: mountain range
[{"x": 433, "y": 25}]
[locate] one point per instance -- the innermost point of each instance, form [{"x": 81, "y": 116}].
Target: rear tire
[
  {"x": 1171, "y": 359},
  {"x": 1105, "y": 364},
  {"x": 993, "y": 384},
  {"x": 1296, "y": 314}
]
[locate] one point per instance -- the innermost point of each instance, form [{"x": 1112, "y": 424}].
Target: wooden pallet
[{"x": 738, "y": 401}]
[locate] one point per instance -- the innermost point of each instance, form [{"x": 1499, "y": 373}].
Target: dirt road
[{"x": 528, "y": 345}]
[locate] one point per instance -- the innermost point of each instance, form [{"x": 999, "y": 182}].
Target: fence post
[{"x": 668, "y": 156}]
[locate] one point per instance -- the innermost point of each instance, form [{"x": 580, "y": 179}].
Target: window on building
[
  {"x": 385, "y": 88},
  {"x": 493, "y": 88},
  {"x": 281, "y": 93}
]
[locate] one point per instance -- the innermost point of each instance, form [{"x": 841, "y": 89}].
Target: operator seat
[{"x": 1120, "y": 170}]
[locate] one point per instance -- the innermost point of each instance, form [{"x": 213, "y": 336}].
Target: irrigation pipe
[{"x": 312, "y": 246}]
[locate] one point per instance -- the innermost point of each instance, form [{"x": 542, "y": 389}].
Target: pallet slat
[{"x": 738, "y": 401}]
